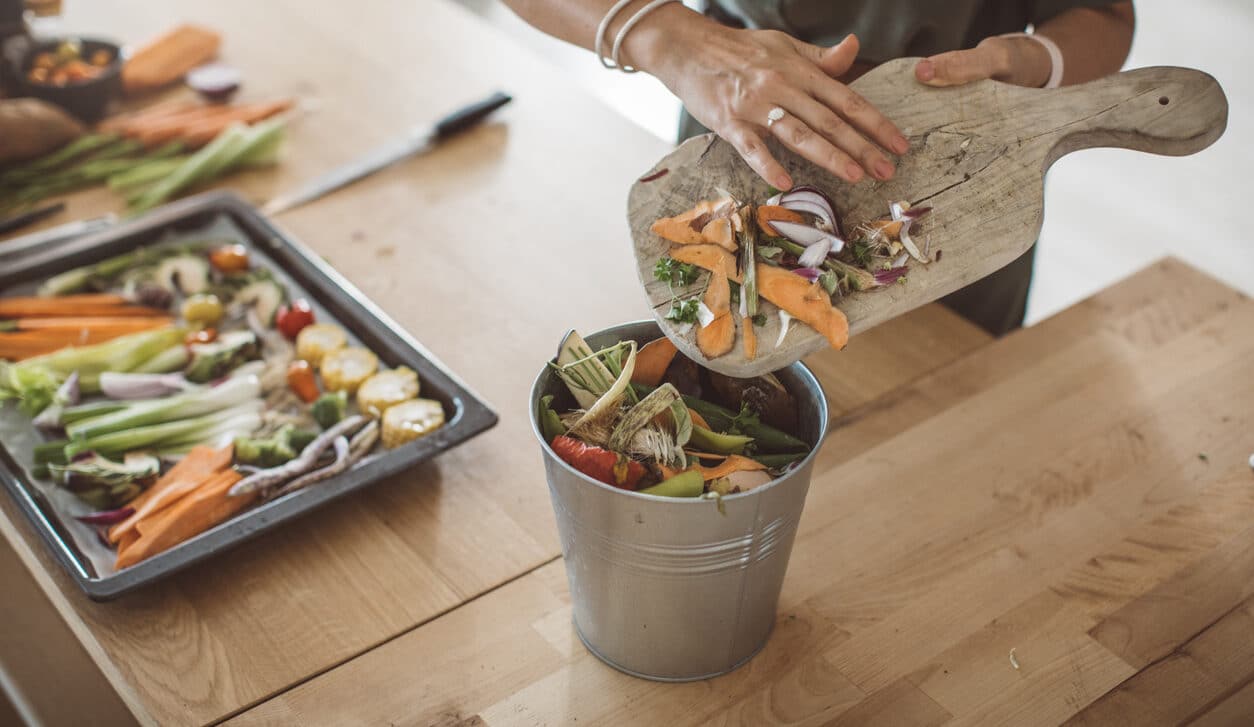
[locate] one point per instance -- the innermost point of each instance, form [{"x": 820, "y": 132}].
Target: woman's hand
[
  {"x": 730, "y": 79},
  {"x": 1021, "y": 61}
]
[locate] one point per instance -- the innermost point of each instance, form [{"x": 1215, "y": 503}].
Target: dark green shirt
[{"x": 891, "y": 29}]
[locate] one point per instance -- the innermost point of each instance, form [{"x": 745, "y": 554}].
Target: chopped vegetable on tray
[{"x": 169, "y": 354}]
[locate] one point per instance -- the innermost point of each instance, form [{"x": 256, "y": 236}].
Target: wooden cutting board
[{"x": 978, "y": 156}]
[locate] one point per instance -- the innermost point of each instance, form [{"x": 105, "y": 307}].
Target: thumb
[
  {"x": 837, "y": 60},
  {"x": 955, "y": 68}
]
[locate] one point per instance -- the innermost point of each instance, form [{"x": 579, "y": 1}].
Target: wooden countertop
[{"x": 1043, "y": 493}]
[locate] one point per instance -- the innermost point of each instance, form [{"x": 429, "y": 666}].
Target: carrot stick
[
  {"x": 73, "y": 305},
  {"x": 159, "y": 131},
  {"x": 121, "y": 123},
  {"x": 192, "y": 515},
  {"x": 27, "y": 344},
  {"x": 199, "y": 464},
  {"x": 202, "y": 133},
  {"x": 75, "y": 323}
]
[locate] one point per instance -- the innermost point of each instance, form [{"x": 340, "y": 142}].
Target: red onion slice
[
  {"x": 809, "y": 273},
  {"x": 815, "y": 254},
  {"x": 106, "y": 517},
  {"x": 117, "y": 385},
  {"x": 887, "y": 277},
  {"x": 807, "y": 235},
  {"x": 813, "y": 201}
]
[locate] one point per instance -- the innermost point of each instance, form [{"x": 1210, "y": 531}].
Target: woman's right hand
[{"x": 730, "y": 79}]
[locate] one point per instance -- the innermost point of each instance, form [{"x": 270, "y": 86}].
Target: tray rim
[{"x": 472, "y": 415}]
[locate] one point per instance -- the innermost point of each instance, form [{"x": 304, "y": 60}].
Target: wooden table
[{"x": 1077, "y": 492}]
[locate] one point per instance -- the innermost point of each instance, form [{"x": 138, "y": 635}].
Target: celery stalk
[
  {"x": 143, "y": 437},
  {"x": 198, "y": 168},
  {"x": 144, "y": 412}
]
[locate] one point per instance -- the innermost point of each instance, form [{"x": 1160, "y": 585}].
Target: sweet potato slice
[
  {"x": 805, "y": 301},
  {"x": 720, "y": 232},
  {"x": 733, "y": 463},
  {"x": 652, "y": 360},
  {"x": 192, "y": 515},
  {"x": 710, "y": 257},
  {"x": 768, "y": 212},
  {"x": 706, "y": 223},
  {"x": 182, "y": 478},
  {"x": 750, "y": 338},
  {"x": 717, "y": 338}
]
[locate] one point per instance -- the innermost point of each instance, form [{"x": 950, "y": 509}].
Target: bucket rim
[{"x": 797, "y": 367}]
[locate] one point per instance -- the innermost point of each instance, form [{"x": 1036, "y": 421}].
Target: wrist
[
  {"x": 1027, "y": 62},
  {"x": 650, "y": 46}
]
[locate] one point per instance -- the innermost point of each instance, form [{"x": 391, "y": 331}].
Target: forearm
[
  {"x": 576, "y": 22},
  {"x": 1094, "y": 42}
]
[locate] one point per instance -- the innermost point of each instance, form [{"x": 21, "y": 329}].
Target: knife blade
[
  {"x": 419, "y": 139},
  {"x": 38, "y": 241}
]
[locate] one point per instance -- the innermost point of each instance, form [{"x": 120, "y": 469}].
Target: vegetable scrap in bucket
[{"x": 648, "y": 419}]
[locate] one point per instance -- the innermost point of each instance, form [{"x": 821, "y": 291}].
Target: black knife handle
[{"x": 466, "y": 117}]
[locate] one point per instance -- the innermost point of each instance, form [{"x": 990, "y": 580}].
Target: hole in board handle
[{"x": 1163, "y": 100}]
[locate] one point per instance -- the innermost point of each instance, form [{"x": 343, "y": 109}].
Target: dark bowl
[{"x": 89, "y": 99}]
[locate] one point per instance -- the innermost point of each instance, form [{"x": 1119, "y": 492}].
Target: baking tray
[{"x": 333, "y": 298}]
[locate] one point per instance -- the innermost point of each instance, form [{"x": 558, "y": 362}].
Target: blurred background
[{"x": 1107, "y": 212}]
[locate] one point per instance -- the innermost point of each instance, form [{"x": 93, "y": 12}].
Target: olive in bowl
[{"x": 81, "y": 75}]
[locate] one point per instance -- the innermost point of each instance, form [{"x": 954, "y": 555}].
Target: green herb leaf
[
  {"x": 769, "y": 252},
  {"x": 759, "y": 319},
  {"x": 683, "y": 311},
  {"x": 672, "y": 272}
]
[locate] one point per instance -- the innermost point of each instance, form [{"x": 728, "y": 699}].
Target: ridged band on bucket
[
  {"x": 677, "y": 589},
  {"x": 683, "y": 561}
]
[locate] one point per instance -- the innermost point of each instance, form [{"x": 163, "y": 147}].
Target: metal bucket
[{"x": 673, "y": 589}]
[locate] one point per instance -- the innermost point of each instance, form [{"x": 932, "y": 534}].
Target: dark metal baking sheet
[{"x": 467, "y": 415}]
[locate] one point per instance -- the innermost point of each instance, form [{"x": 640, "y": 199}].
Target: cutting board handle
[{"x": 1161, "y": 110}]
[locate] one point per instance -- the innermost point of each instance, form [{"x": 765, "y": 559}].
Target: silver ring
[{"x": 774, "y": 115}]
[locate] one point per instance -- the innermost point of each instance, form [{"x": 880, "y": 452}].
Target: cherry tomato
[
  {"x": 229, "y": 258},
  {"x": 292, "y": 318},
  {"x": 204, "y": 335},
  {"x": 300, "y": 379}
]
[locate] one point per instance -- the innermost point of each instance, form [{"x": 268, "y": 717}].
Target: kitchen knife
[
  {"x": 38, "y": 241},
  {"x": 417, "y": 140}
]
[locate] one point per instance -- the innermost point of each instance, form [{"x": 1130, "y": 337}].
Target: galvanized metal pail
[{"x": 677, "y": 589}]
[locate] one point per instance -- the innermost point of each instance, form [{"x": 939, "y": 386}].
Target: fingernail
[
  {"x": 925, "y": 71},
  {"x": 901, "y": 144},
  {"x": 883, "y": 169},
  {"x": 853, "y": 172},
  {"x": 783, "y": 183}
]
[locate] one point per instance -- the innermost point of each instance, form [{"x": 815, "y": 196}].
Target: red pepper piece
[{"x": 599, "y": 463}]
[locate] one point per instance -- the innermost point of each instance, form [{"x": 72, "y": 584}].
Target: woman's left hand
[{"x": 1021, "y": 61}]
